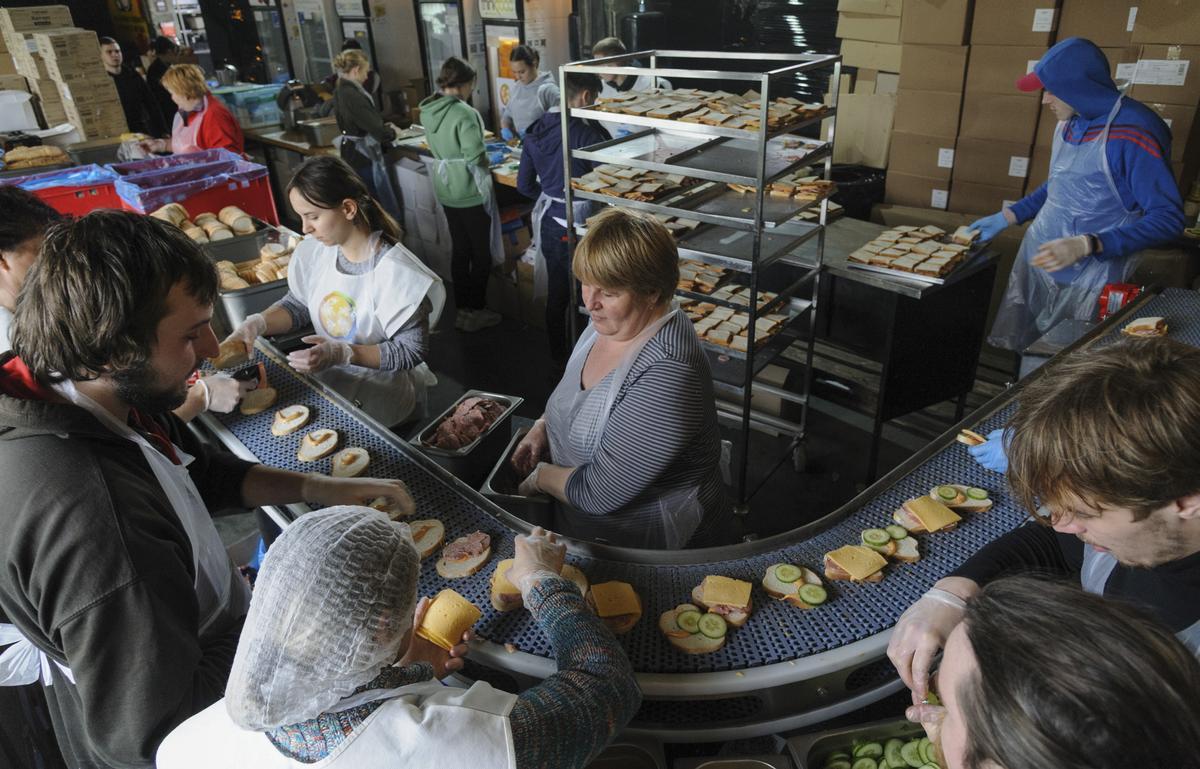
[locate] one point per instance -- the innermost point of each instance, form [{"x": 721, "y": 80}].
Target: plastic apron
[
  {"x": 482, "y": 176},
  {"x": 541, "y": 274},
  {"x": 222, "y": 594},
  {"x": 419, "y": 725},
  {"x": 573, "y": 441},
  {"x": 1098, "y": 567},
  {"x": 183, "y": 137},
  {"x": 1081, "y": 198},
  {"x": 348, "y": 308},
  {"x": 370, "y": 147}
]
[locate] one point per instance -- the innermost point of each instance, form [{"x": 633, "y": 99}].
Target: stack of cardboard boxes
[{"x": 870, "y": 32}]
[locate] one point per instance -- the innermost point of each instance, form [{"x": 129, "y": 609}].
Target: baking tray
[
  {"x": 234, "y": 306},
  {"x": 501, "y": 484},
  {"x": 736, "y": 206},
  {"x": 735, "y": 248},
  {"x": 470, "y": 463},
  {"x": 967, "y": 261},
  {"x": 809, "y": 751}
]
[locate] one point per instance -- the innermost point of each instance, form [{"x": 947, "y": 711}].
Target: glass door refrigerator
[
  {"x": 540, "y": 24},
  {"x": 453, "y": 29},
  {"x": 316, "y": 28},
  {"x": 272, "y": 48},
  {"x": 354, "y": 23}
]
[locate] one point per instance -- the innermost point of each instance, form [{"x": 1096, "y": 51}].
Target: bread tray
[{"x": 967, "y": 261}]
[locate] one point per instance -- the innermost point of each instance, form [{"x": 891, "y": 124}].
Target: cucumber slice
[
  {"x": 947, "y": 492},
  {"x": 896, "y": 531},
  {"x": 869, "y": 750},
  {"x": 974, "y": 493},
  {"x": 876, "y": 537},
  {"x": 713, "y": 625},
  {"x": 891, "y": 752},
  {"x": 838, "y": 764},
  {"x": 785, "y": 572},
  {"x": 865, "y": 763},
  {"x": 911, "y": 753},
  {"x": 688, "y": 620},
  {"x": 931, "y": 765},
  {"x": 926, "y": 749},
  {"x": 813, "y": 595},
  {"x": 840, "y": 755},
  {"x": 931, "y": 698}
]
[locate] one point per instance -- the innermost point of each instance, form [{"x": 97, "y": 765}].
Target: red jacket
[{"x": 219, "y": 129}]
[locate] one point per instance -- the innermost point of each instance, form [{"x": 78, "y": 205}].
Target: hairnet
[{"x": 332, "y": 603}]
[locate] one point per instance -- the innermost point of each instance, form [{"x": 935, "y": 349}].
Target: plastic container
[
  {"x": 254, "y": 106},
  {"x": 99, "y": 151},
  {"x": 74, "y": 191},
  {"x": 501, "y": 484},
  {"x": 809, "y": 751},
  {"x": 470, "y": 463},
  {"x": 234, "y": 306},
  {"x": 207, "y": 180}
]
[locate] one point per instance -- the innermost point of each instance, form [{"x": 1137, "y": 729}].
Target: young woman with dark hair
[
  {"x": 370, "y": 300},
  {"x": 530, "y": 97}
]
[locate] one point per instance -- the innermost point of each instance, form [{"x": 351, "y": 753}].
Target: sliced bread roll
[
  {"x": 231, "y": 353},
  {"x": 465, "y": 556},
  {"x": 686, "y": 641},
  {"x": 236, "y": 219},
  {"x": 578, "y": 577},
  {"x": 966, "y": 500},
  {"x": 790, "y": 591},
  {"x": 906, "y": 551},
  {"x": 258, "y": 400},
  {"x": 290, "y": 419},
  {"x": 397, "y": 505},
  {"x": 317, "y": 444},
  {"x": 349, "y": 462},
  {"x": 504, "y": 595},
  {"x": 427, "y": 535}
]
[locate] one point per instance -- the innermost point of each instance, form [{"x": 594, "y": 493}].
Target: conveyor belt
[{"x": 1179, "y": 307}]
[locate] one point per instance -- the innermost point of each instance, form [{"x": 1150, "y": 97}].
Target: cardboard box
[
  {"x": 930, "y": 157},
  {"x": 933, "y": 67},
  {"x": 936, "y": 22},
  {"x": 7, "y": 65},
  {"x": 1039, "y": 169},
  {"x": 996, "y": 68},
  {"x": 1182, "y": 121},
  {"x": 1104, "y": 22},
  {"x": 37, "y": 17},
  {"x": 1122, "y": 60},
  {"x": 881, "y": 56},
  {"x": 1167, "y": 21},
  {"x": 1003, "y": 117},
  {"x": 13, "y": 83},
  {"x": 981, "y": 199},
  {"x": 933, "y": 113},
  {"x": 68, "y": 43},
  {"x": 864, "y": 129},
  {"x": 999, "y": 164},
  {"x": 862, "y": 26},
  {"x": 917, "y": 191},
  {"x": 1169, "y": 74},
  {"x": 877, "y": 7},
  {"x": 1014, "y": 22}
]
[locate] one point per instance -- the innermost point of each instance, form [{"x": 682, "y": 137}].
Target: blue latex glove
[
  {"x": 991, "y": 454},
  {"x": 495, "y": 158},
  {"x": 507, "y": 134},
  {"x": 622, "y": 132},
  {"x": 990, "y": 226}
]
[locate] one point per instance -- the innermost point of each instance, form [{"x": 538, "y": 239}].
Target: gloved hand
[
  {"x": 529, "y": 486},
  {"x": 326, "y": 490},
  {"x": 991, "y": 454},
  {"x": 324, "y": 353},
  {"x": 495, "y": 158},
  {"x": 534, "y": 447},
  {"x": 420, "y": 650},
  {"x": 931, "y": 718},
  {"x": 249, "y": 330},
  {"x": 507, "y": 134},
  {"x": 622, "y": 132},
  {"x": 222, "y": 393},
  {"x": 991, "y": 226},
  {"x": 1062, "y": 253},
  {"x": 537, "y": 556},
  {"x": 920, "y": 633}
]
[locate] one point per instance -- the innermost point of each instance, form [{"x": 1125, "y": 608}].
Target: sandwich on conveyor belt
[
  {"x": 727, "y": 597},
  {"x": 796, "y": 585},
  {"x": 427, "y": 535},
  {"x": 855, "y": 563},
  {"x": 465, "y": 556},
  {"x": 258, "y": 400},
  {"x": 399, "y": 505},
  {"x": 290, "y": 419},
  {"x": 925, "y": 514},
  {"x": 963, "y": 499},
  {"x": 349, "y": 462},
  {"x": 970, "y": 437},
  {"x": 1145, "y": 327},
  {"x": 505, "y": 596},
  {"x": 692, "y": 631},
  {"x": 616, "y": 604},
  {"x": 317, "y": 444}
]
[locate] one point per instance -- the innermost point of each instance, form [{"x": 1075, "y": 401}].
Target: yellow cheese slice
[
  {"x": 931, "y": 513},
  {"x": 858, "y": 561},
  {"x": 612, "y": 599},
  {"x": 500, "y": 579},
  {"x": 725, "y": 591}
]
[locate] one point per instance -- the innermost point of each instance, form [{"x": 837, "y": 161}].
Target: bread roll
[
  {"x": 215, "y": 230},
  {"x": 271, "y": 251},
  {"x": 206, "y": 216},
  {"x": 233, "y": 283},
  {"x": 196, "y": 234},
  {"x": 259, "y": 400},
  {"x": 236, "y": 219},
  {"x": 173, "y": 213}
]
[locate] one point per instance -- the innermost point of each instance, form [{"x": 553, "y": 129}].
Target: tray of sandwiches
[
  {"x": 728, "y": 329},
  {"x": 707, "y": 154},
  {"x": 700, "y": 277},
  {"x": 677, "y": 225},
  {"x": 712, "y": 108},
  {"x": 927, "y": 254},
  {"x": 631, "y": 183}
]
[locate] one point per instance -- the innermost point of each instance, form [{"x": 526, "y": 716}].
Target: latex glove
[
  {"x": 326, "y": 490},
  {"x": 529, "y": 486},
  {"x": 222, "y": 393},
  {"x": 931, "y": 717},
  {"x": 991, "y": 454},
  {"x": 249, "y": 330},
  {"x": 507, "y": 134},
  {"x": 324, "y": 353},
  {"x": 621, "y": 132},
  {"x": 419, "y": 650},
  {"x": 920, "y": 633},
  {"x": 991, "y": 226},
  {"x": 1062, "y": 253},
  {"x": 533, "y": 448},
  {"x": 537, "y": 556},
  {"x": 495, "y": 158},
  {"x": 154, "y": 145}
]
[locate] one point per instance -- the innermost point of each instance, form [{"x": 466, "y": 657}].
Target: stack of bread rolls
[
  {"x": 271, "y": 265},
  {"x": 207, "y": 226}
]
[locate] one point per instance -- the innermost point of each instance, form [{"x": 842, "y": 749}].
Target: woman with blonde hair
[
  {"x": 365, "y": 134},
  {"x": 202, "y": 122}
]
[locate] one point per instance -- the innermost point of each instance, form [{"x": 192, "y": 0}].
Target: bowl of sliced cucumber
[{"x": 895, "y": 744}]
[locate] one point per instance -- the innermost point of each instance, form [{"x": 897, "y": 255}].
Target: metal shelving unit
[{"x": 754, "y": 233}]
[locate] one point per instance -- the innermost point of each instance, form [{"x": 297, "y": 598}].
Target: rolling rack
[{"x": 755, "y": 235}]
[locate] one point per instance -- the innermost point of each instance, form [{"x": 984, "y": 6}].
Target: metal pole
[{"x": 569, "y": 197}]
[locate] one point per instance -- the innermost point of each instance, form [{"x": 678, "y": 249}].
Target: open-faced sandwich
[
  {"x": 616, "y": 604},
  {"x": 349, "y": 462},
  {"x": 289, "y": 419},
  {"x": 1146, "y": 327},
  {"x": 505, "y": 596},
  {"x": 397, "y": 505},
  {"x": 727, "y": 597},
  {"x": 854, "y": 563},
  {"x": 691, "y": 630},
  {"x": 465, "y": 556},
  {"x": 925, "y": 514},
  {"x": 317, "y": 444},
  {"x": 894, "y": 542},
  {"x": 962, "y": 499},
  {"x": 970, "y": 438},
  {"x": 258, "y": 400},
  {"x": 427, "y": 535},
  {"x": 797, "y": 585}
]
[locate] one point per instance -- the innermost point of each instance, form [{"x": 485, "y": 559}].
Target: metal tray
[
  {"x": 501, "y": 482},
  {"x": 967, "y": 261},
  {"x": 720, "y": 200},
  {"x": 236, "y": 305},
  {"x": 470, "y": 463},
  {"x": 735, "y": 248},
  {"x": 729, "y": 365},
  {"x": 810, "y": 750}
]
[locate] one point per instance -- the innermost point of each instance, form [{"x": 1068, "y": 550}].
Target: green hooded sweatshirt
[{"x": 454, "y": 131}]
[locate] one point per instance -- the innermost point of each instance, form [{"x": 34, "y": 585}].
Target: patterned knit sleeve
[{"x": 566, "y": 720}]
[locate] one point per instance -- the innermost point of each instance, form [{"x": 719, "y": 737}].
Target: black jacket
[
  {"x": 142, "y": 112},
  {"x": 357, "y": 116}
]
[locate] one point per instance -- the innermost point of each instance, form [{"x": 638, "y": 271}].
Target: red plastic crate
[
  {"x": 201, "y": 181},
  {"x": 254, "y": 198},
  {"x": 71, "y": 199}
]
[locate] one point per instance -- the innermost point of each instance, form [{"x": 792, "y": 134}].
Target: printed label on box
[
  {"x": 1043, "y": 20},
  {"x": 1168, "y": 121},
  {"x": 939, "y": 199},
  {"x": 1029, "y": 65},
  {"x": 945, "y": 158},
  {"x": 1127, "y": 71},
  {"x": 1018, "y": 167},
  {"x": 1161, "y": 72},
  {"x": 1132, "y": 19}
]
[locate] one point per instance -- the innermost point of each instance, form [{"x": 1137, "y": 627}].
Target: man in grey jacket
[{"x": 114, "y": 573}]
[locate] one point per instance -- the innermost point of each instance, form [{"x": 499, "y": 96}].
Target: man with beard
[
  {"x": 116, "y": 582},
  {"x": 1108, "y": 442}
]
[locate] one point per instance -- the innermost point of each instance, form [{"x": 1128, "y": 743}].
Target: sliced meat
[
  {"x": 468, "y": 421},
  {"x": 467, "y": 547}
]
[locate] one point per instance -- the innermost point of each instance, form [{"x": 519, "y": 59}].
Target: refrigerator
[
  {"x": 314, "y": 39},
  {"x": 354, "y": 20},
  {"x": 540, "y": 24},
  {"x": 453, "y": 29},
  {"x": 272, "y": 50}
]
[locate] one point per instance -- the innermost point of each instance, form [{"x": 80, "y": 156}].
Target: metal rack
[{"x": 752, "y": 234}]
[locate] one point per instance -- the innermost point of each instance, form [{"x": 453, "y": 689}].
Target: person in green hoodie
[{"x": 463, "y": 184}]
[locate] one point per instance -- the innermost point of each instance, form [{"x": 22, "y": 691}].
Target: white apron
[
  {"x": 1081, "y": 198},
  {"x": 1098, "y": 567},
  {"x": 183, "y": 137},
  {"x": 221, "y": 593},
  {"x": 370, "y": 147},
  {"x": 541, "y": 274},
  {"x": 368, "y": 309},
  {"x": 419, "y": 725},
  {"x": 482, "y": 176}
]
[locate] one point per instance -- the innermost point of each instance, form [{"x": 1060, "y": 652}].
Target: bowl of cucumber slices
[{"x": 895, "y": 744}]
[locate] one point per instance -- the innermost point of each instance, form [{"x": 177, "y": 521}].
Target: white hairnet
[{"x": 333, "y": 601}]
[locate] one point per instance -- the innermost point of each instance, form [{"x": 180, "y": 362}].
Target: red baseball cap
[{"x": 1030, "y": 82}]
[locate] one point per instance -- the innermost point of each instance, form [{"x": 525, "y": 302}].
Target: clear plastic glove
[
  {"x": 931, "y": 718},
  {"x": 155, "y": 145},
  {"x": 326, "y": 490},
  {"x": 537, "y": 556},
  {"x": 419, "y": 650},
  {"x": 920, "y": 633},
  {"x": 324, "y": 353},
  {"x": 507, "y": 134},
  {"x": 533, "y": 448},
  {"x": 223, "y": 393},
  {"x": 529, "y": 486},
  {"x": 992, "y": 454},
  {"x": 1062, "y": 253},
  {"x": 249, "y": 330},
  {"x": 991, "y": 226}
]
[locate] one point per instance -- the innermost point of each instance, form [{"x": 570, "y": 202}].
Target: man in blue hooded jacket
[{"x": 1110, "y": 194}]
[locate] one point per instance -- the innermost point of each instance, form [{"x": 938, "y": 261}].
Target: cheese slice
[
  {"x": 858, "y": 561},
  {"x": 932, "y": 514},
  {"x": 725, "y": 591},
  {"x": 612, "y": 599},
  {"x": 500, "y": 583}
]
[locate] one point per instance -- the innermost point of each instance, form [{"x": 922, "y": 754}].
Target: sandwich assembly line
[{"x": 791, "y": 405}]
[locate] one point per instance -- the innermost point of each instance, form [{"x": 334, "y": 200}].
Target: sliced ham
[
  {"x": 470, "y": 419},
  {"x": 470, "y": 546}
]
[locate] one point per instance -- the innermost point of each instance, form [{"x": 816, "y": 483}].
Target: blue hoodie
[
  {"x": 1138, "y": 150},
  {"x": 541, "y": 168}
]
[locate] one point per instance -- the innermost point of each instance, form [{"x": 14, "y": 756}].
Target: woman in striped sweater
[{"x": 628, "y": 445}]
